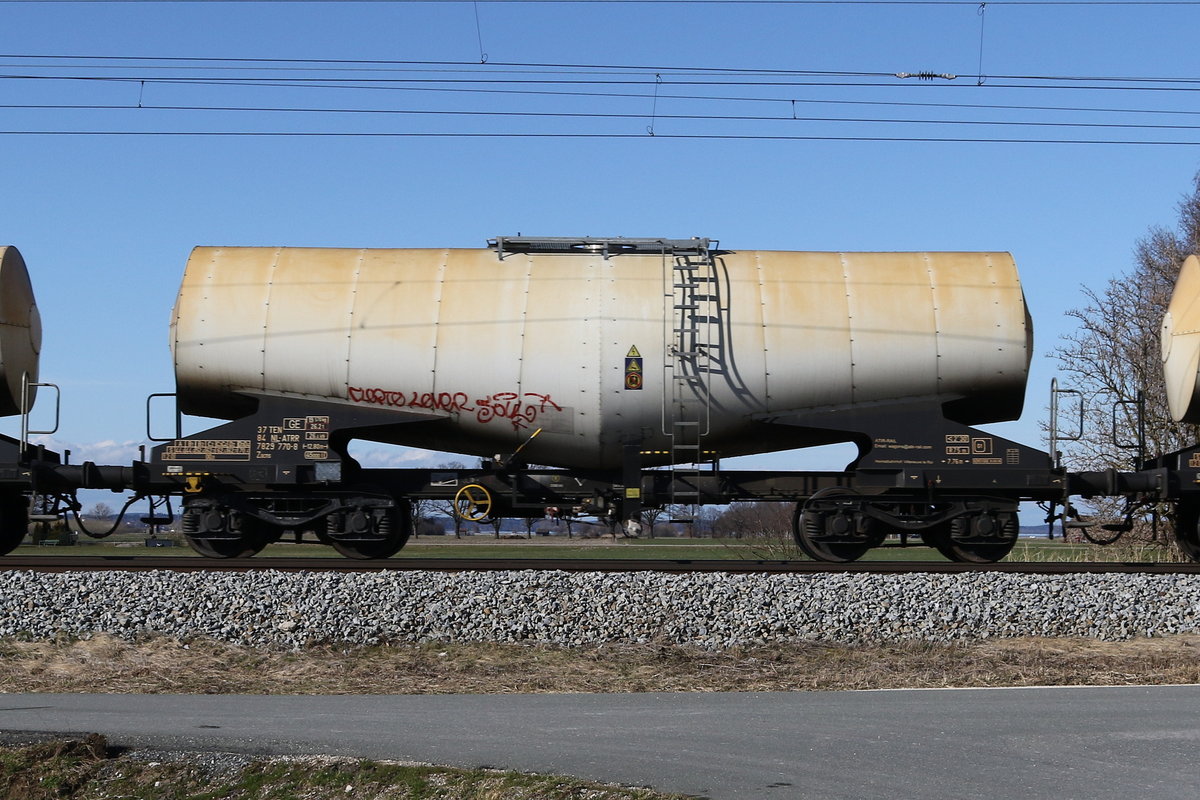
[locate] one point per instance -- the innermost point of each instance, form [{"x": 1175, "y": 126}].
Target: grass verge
[
  {"x": 163, "y": 665},
  {"x": 87, "y": 769},
  {"x": 1035, "y": 550}
]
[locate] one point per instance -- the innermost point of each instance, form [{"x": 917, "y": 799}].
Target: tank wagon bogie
[{"x": 630, "y": 366}]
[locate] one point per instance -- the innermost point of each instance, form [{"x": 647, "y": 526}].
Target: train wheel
[
  {"x": 394, "y": 528},
  {"x": 252, "y": 534},
  {"x": 1187, "y": 529},
  {"x": 813, "y": 531},
  {"x": 938, "y": 538},
  {"x": 14, "y": 522},
  {"x": 978, "y": 538}
]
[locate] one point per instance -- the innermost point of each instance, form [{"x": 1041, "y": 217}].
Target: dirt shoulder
[{"x": 106, "y": 664}]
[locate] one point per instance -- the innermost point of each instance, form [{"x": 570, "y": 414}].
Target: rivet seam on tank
[
  {"x": 937, "y": 323},
  {"x": 212, "y": 260},
  {"x": 992, "y": 271},
  {"x": 762, "y": 297},
  {"x": 437, "y": 302},
  {"x": 524, "y": 320},
  {"x": 266, "y": 312},
  {"x": 849, "y": 318},
  {"x": 362, "y": 254}
]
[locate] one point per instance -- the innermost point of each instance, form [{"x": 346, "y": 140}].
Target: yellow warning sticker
[{"x": 633, "y": 369}]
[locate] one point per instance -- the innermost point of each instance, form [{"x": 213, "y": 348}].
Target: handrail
[
  {"x": 1055, "y": 436},
  {"x": 26, "y": 431},
  {"x": 178, "y": 418}
]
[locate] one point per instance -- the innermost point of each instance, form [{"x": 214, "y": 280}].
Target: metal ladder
[{"x": 690, "y": 289}]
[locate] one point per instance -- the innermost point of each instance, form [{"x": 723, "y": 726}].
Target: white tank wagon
[
  {"x": 600, "y": 343},
  {"x": 600, "y": 357}
]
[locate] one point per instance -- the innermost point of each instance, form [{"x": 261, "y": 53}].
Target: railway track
[{"x": 193, "y": 564}]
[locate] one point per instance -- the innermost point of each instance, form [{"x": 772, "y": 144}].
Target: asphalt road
[{"x": 1060, "y": 743}]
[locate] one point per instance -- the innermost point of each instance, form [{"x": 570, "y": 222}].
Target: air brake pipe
[
  {"x": 87, "y": 475},
  {"x": 1111, "y": 483}
]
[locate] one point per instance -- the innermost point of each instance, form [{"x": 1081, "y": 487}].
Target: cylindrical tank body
[
  {"x": 492, "y": 349},
  {"x": 20, "y": 333}
]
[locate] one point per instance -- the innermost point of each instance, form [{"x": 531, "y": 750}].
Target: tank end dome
[
  {"x": 1180, "y": 339},
  {"x": 20, "y": 332}
]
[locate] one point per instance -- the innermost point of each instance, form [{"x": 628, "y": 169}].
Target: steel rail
[{"x": 196, "y": 564}]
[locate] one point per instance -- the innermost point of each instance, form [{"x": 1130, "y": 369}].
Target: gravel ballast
[{"x": 279, "y": 609}]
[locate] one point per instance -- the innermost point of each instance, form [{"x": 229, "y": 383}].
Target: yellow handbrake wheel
[{"x": 473, "y": 503}]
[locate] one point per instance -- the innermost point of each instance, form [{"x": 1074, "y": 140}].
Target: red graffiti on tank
[{"x": 519, "y": 409}]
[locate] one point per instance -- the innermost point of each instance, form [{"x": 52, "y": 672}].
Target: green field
[{"x": 133, "y": 546}]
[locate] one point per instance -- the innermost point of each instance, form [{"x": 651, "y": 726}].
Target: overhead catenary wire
[
  {"x": 948, "y": 3},
  {"x": 202, "y": 63},
  {"x": 979, "y": 77},
  {"x": 599, "y": 115},
  {"x": 662, "y": 95},
  {"x": 655, "y": 114},
  {"x": 1193, "y": 84},
  {"x": 479, "y": 35},
  {"x": 567, "y": 80},
  {"x": 543, "y": 135},
  {"x": 638, "y": 95}
]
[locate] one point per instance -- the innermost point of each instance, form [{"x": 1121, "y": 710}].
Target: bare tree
[
  {"x": 650, "y": 518},
  {"x": 446, "y": 507},
  {"x": 757, "y": 520},
  {"x": 1115, "y": 352},
  {"x": 683, "y": 515},
  {"x": 422, "y": 510},
  {"x": 430, "y": 526}
]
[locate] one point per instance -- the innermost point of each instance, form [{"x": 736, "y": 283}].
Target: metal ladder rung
[{"x": 696, "y": 305}]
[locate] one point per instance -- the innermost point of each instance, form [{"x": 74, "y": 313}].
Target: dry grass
[
  {"x": 87, "y": 769},
  {"x": 105, "y": 664}
]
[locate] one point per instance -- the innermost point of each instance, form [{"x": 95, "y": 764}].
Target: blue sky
[{"x": 106, "y": 221}]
